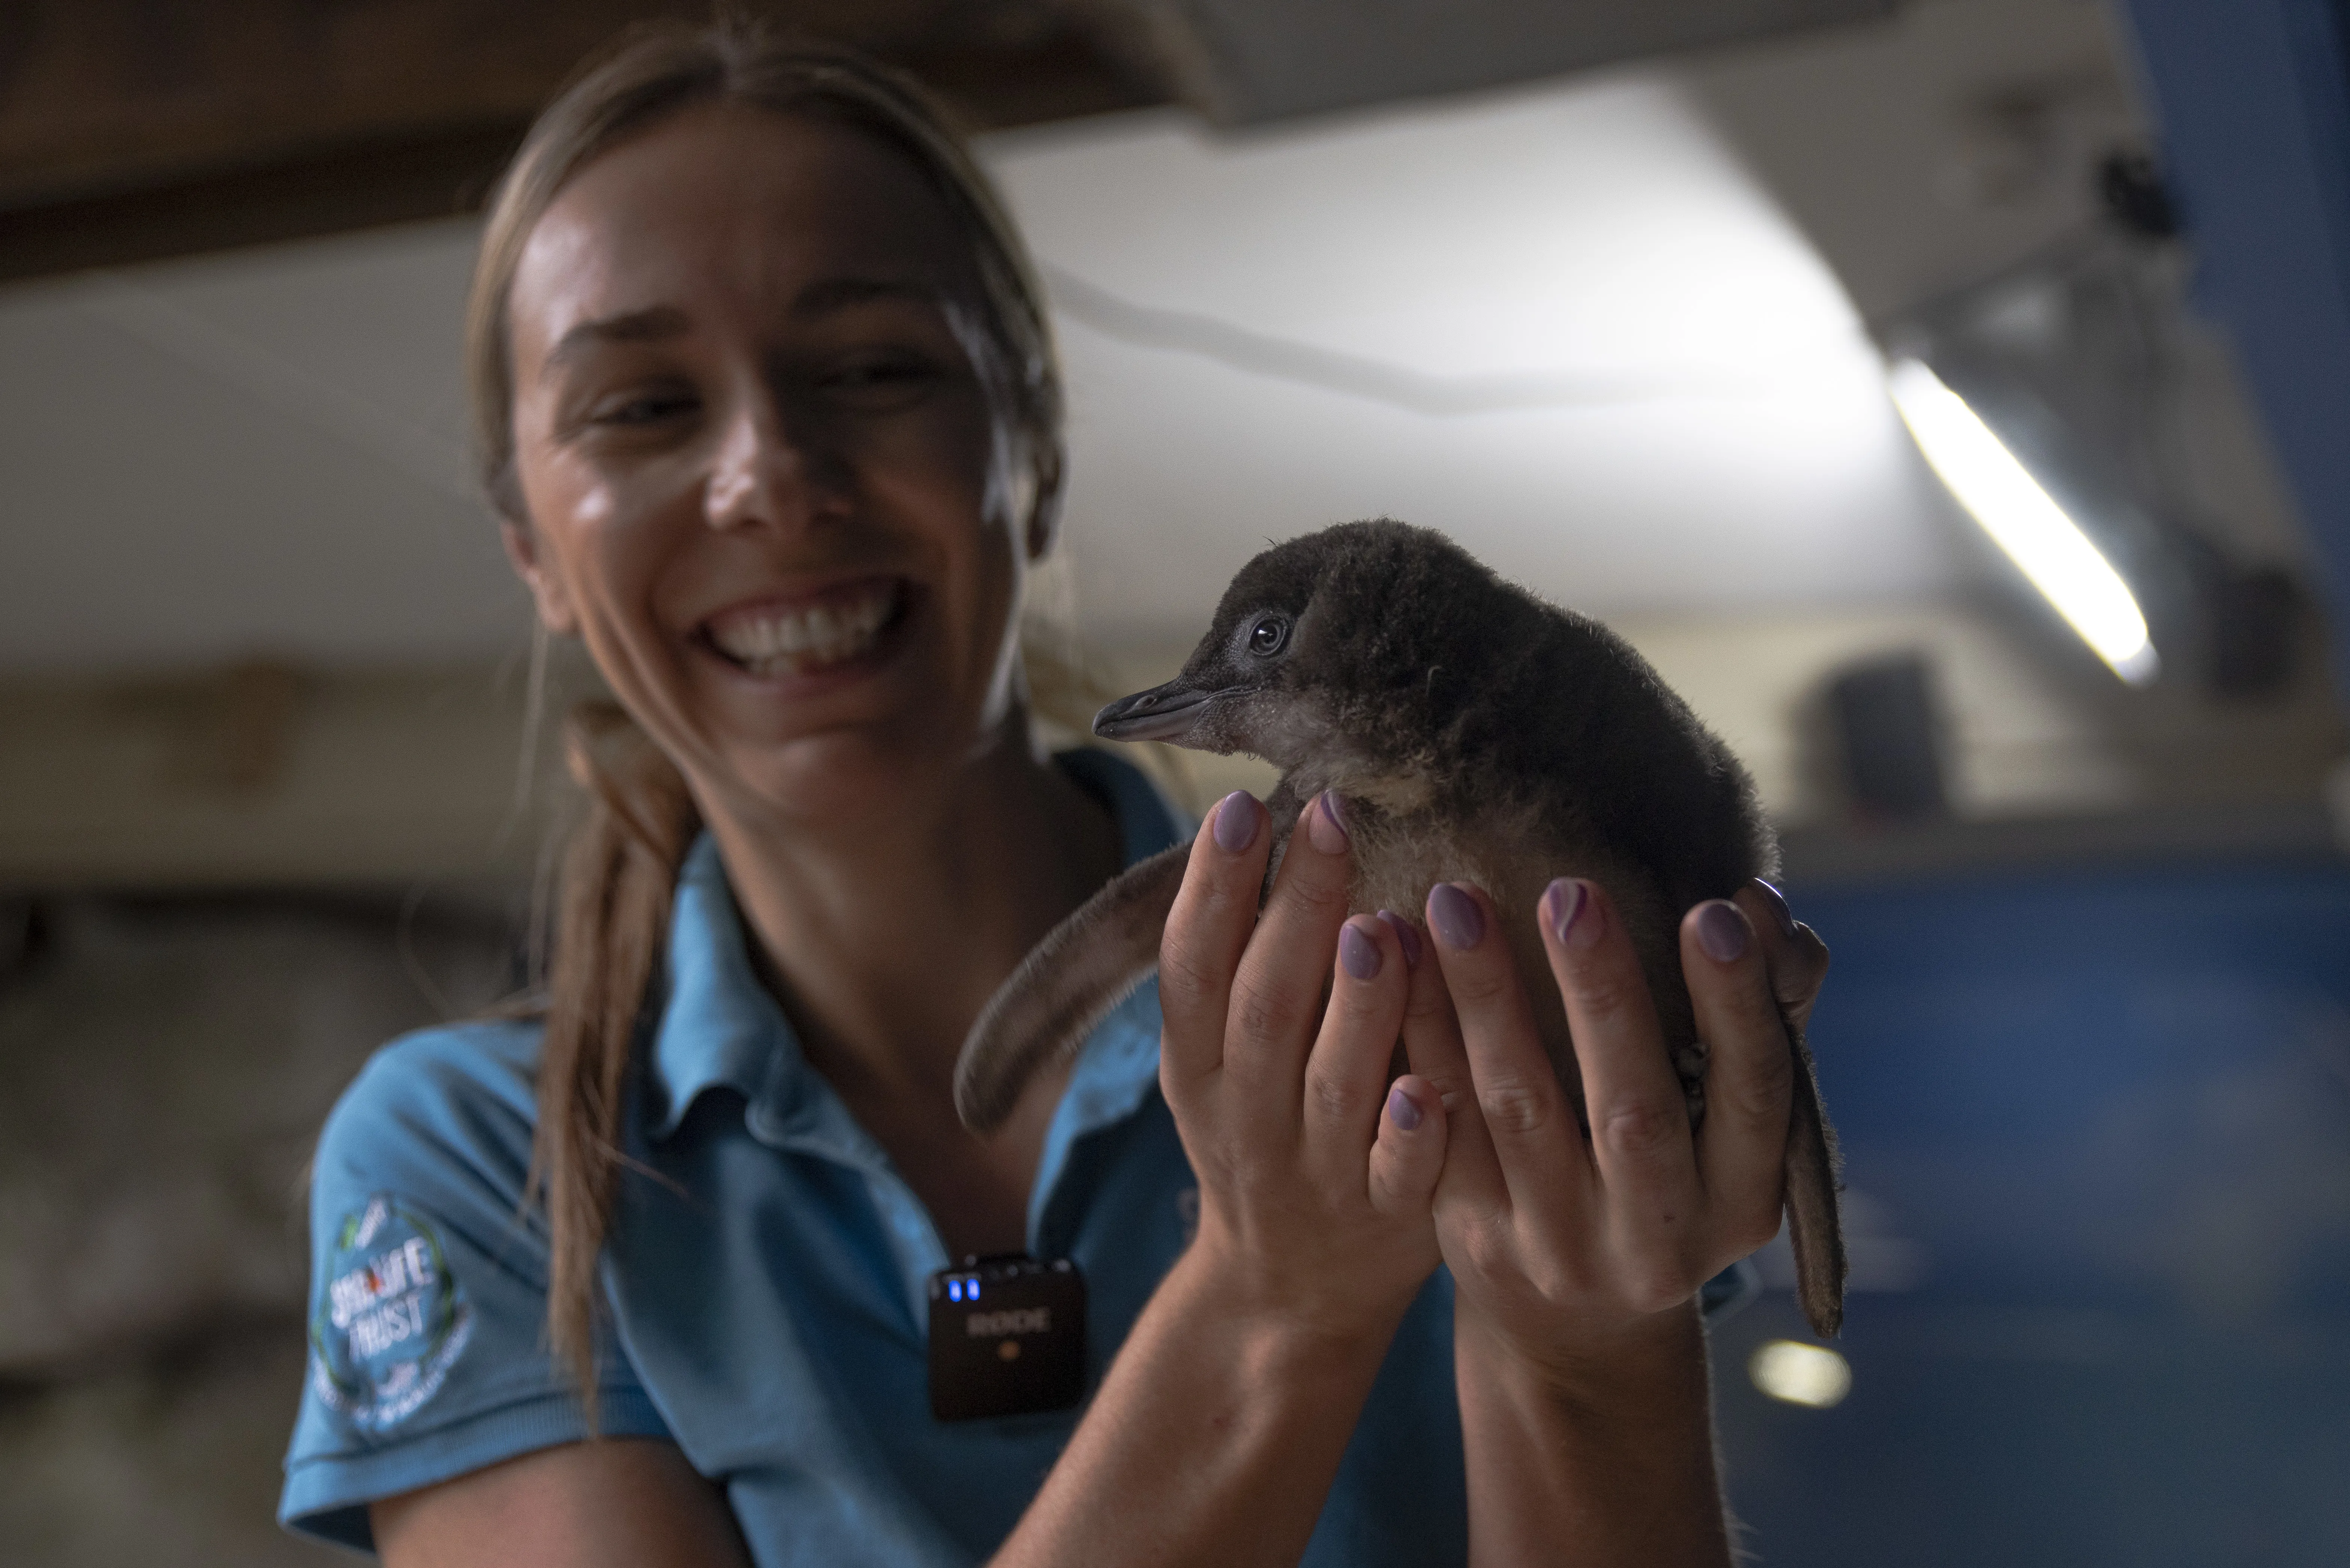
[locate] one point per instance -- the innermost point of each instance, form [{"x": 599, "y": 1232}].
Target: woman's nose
[{"x": 759, "y": 474}]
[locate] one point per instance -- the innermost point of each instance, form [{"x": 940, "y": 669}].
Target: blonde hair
[{"x": 621, "y": 867}]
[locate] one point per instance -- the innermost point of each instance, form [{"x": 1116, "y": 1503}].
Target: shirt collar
[{"x": 718, "y": 1028}]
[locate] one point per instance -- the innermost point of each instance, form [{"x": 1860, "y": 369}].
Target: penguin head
[{"x": 1341, "y": 638}]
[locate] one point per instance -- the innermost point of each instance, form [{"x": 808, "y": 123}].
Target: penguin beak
[{"x": 1162, "y": 713}]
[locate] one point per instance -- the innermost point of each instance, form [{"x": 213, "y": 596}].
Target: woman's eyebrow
[
  {"x": 828, "y": 294},
  {"x": 645, "y": 326},
  {"x": 661, "y": 321}
]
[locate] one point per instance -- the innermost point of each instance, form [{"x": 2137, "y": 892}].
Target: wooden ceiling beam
[{"x": 135, "y": 130}]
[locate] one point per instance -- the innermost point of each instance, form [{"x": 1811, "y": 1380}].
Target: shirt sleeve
[{"x": 428, "y": 1288}]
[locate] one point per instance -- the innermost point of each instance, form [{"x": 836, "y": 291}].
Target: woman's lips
[{"x": 810, "y": 634}]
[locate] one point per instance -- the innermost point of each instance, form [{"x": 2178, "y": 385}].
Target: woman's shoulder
[
  {"x": 455, "y": 1102},
  {"x": 428, "y": 1284}
]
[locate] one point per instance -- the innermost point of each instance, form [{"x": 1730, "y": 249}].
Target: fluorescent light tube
[{"x": 2023, "y": 520}]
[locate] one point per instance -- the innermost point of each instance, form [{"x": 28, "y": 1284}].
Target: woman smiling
[{"x": 767, "y": 405}]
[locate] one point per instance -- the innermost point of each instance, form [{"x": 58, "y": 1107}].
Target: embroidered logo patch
[{"x": 393, "y": 1322}]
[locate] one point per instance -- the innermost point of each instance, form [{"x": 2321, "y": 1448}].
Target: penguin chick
[{"x": 1477, "y": 734}]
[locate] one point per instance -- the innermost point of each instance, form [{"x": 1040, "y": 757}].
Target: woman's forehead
[{"x": 731, "y": 208}]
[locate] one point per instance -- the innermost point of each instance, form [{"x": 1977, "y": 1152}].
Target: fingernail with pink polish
[
  {"x": 1325, "y": 826},
  {"x": 1563, "y": 904},
  {"x": 1359, "y": 951},
  {"x": 1575, "y": 914},
  {"x": 1722, "y": 931},
  {"x": 1780, "y": 912},
  {"x": 1454, "y": 916},
  {"x": 1407, "y": 937},
  {"x": 1402, "y": 1109},
  {"x": 1236, "y": 817}
]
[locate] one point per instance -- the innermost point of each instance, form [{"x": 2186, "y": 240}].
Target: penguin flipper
[
  {"x": 1068, "y": 984},
  {"x": 1814, "y": 1227}
]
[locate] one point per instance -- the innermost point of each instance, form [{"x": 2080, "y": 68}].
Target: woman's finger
[
  {"x": 1276, "y": 992},
  {"x": 1207, "y": 931},
  {"x": 1632, "y": 1096},
  {"x": 1525, "y": 1114},
  {"x": 1749, "y": 1073},
  {"x": 1346, "y": 1074},
  {"x": 1431, "y": 1034},
  {"x": 1408, "y": 1157},
  {"x": 1432, "y": 1045},
  {"x": 1797, "y": 958}
]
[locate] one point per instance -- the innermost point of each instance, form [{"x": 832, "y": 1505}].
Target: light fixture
[
  {"x": 2023, "y": 520},
  {"x": 1799, "y": 1373}
]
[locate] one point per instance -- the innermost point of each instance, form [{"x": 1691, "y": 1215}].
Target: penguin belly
[{"x": 1514, "y": 852}]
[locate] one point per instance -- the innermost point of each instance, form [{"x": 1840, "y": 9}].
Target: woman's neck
[{"x": 884, "y": 945}]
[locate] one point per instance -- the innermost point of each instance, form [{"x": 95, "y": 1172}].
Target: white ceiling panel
[{"x": 1564, "y": 325}]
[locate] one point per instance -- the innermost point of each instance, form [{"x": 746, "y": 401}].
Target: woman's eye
[
  {"x": 888, "y": 376},
  {"x": 645, "y": 409},
  {"x": 1266, "y": 637}
]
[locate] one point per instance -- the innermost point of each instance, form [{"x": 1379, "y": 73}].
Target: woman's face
[{"x": 755, "y": 453}]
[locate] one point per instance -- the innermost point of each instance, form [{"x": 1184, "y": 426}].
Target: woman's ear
[{"x": 546, "y": 585}]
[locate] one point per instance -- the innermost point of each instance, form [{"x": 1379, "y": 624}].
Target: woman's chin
[
  {"x": 839, "y": 776},
  {"x": 871, "y": 736}
]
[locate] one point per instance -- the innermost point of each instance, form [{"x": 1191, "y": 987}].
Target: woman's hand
[
  {"x": 1581, "y": 1367},
  {"x": 1316, "y": 1174},
  {"x": 1216, "y": 1435},
  {"x": 1563, "y": 1244}
]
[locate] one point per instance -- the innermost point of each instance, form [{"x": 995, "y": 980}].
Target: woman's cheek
[{"x": 947, "y": 437}]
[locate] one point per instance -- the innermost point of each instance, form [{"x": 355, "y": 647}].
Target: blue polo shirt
[{"x": 767, "y": 1280}]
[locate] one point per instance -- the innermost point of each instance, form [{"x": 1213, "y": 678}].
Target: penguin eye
[{"x": 1268, "y": 636}]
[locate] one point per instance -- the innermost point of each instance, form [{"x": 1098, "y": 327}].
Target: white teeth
[{"x": 777, "y": 641}]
